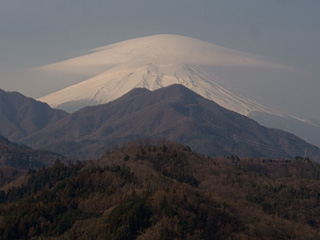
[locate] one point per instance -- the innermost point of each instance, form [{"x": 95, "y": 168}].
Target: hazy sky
[{"x": 38, "y": 32}]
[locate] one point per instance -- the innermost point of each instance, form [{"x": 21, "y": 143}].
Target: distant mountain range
[
  {"x": 174, "y": 112},
  {"x": 160, "y": 60}
]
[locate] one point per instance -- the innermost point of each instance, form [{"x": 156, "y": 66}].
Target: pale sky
[{"x": 38, "y": 32}]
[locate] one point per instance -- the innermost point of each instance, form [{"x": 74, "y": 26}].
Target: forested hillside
[
  {"x": 165, "y": 191},
  {"x": 17, "y": 159}
]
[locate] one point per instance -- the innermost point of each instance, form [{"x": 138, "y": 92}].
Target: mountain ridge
[{"x": 173, "y": 112}]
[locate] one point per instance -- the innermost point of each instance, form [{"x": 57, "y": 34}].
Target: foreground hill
[
  {"x": 175, "y": 113},
  {"x": 16, "y": 159},
  {"x": 21, "y": 116},
  {"x": 165, "y": 191}
]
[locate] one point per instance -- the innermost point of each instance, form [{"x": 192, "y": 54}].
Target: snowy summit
[{"x": 153, "y": 62}]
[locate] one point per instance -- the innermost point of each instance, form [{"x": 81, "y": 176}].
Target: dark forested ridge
[
  {"x": 165, "y": 191},
  {"x": 17, "y": 159}
]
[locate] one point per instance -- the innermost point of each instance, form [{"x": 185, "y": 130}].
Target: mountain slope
[
  {"x": 21, "y": 116},
  {"x": 307, "y": 130},
  {"x": 173, "y": 112}
]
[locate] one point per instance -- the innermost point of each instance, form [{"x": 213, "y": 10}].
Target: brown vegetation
[{"x": 165, "y": 191}]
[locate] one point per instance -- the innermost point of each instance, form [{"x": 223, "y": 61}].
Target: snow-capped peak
[{"x": 153, "y": 62}]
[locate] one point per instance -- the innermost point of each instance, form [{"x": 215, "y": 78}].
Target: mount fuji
[
  {"x": 153, "y": 62},
  {"x": 158, "y": 61}
]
